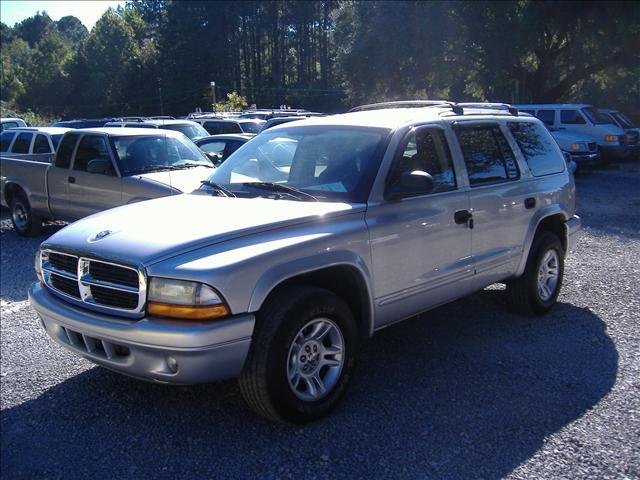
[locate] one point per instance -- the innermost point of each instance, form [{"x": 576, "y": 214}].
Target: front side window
[
  {"x": 5, "y": 140},
  {"x": 65, "y": 150},
  {"x": 546, "y": 116},
  {"x": 137, "y": 154},
  {"x": 91, "y": 147},
  {"x": 22, "y": 143},
  {"x": 41, "y": 144},
  {"x": 571, "y": 117},
  {"x": 487, "y": 154},
  {"x": 330, "y": 163},
  {"x": 427, "y": 150},
  {"x": 538, "y": 148}
]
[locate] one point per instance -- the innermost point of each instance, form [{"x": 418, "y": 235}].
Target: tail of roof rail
[
  {"x": 408, "y": 104},
  {"x": 504, "y": 106}
]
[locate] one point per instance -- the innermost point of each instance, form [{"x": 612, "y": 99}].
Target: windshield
[
  {"x": 250, "y": 127},
  {"x": 191, "y": 130},
  {"x": 331, "y": 163},
  {"x": 596, "y": 117},
  {"x": 137, "y": 154},
  {"x": 622, "y": 120}
]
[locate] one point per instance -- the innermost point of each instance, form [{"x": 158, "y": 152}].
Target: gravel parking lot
[{"x": 466, "y": 391}]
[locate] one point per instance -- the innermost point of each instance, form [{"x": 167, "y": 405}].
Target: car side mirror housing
[
  {"x": 100, "y": 165},
  {"x": 410, "y": 184},
  {"x": 214, "y": 157}
]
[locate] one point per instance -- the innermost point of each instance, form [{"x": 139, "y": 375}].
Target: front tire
[
  {"x": 537, "y": 290},
  {"x": 25, "y": 222},
  {"x": 302, "y": 355}
]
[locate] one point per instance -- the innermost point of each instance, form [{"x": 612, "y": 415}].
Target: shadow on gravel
[{"x": 467, "y": 391}]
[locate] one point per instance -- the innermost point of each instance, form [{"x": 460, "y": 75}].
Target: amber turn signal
[{"x": 190, "y": 312}]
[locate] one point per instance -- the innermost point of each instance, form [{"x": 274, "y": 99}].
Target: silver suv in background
[
  {"x": 37, "y": 144},
  {"x": 306, "y": 241}
]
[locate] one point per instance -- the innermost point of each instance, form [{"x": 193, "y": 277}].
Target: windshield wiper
[
  {"x": 219, "y": 188},
  {"x": 281, "y": 187},
  {"x": 150, "y": 168}
]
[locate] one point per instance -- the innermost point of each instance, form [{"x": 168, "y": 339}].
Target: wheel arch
[{"x": 551, "y": 219}]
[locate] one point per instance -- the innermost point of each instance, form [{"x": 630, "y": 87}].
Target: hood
[
  {"x": 571, "y": 136},
  {"x": 186, "y": 180},
  {"x": 145, "y": 232}
]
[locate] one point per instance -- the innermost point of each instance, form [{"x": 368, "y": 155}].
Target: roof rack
[
  {"x": 409, "y": 104},
  {"x": 500, "y": 106}
]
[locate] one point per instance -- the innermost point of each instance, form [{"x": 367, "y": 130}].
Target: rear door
[
  {"x": 90, "y": 193},
  {"x": 58, "y": 178},
  {"x": 497, "y": 199}
]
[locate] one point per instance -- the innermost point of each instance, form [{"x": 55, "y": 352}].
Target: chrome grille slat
[{"x": 107, "y": 285}]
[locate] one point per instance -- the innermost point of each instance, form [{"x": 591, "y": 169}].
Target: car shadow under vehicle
[{"x": 465, "y": 391}]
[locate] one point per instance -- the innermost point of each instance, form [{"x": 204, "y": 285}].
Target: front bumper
[
  {"x": 583, "y": 159},
  {"x": 574, "y": 225},
  {"x": 153, "y": 349},
  {"x": 615, "y": 151}
]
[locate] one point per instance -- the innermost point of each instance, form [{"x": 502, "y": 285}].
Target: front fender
[{"x": 281, "y": 272}]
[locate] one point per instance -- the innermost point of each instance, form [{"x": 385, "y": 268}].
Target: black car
[{"x": 219, "y": 147}]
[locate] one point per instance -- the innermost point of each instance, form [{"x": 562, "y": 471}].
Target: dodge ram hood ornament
[{"x": 100, "y": 235}]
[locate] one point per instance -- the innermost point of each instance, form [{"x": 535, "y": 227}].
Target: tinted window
[
  {"x": 250, "y": 127},
  {"x": 5, "y": 140},
  {"x": 571, "y": 117},
  {"x": 41, "y": 145},
  {"x": 538, "y": 148},
  {"x": 487, "y": 154},
  {"x": 596, "y": 117},
  {"x": 22, "y": 143},
  {"x": 214, "y": 128},
  {"x": 91, "y": 148},
  {"x": 55, "y": 139},
  {"x": 230, "y": 127},
  {"x": 65, "y": 150},
  {"x": 9, "y": 125},
  {"x": 427, "y": 151},
  {"x": 232, "y": 146},
  {"x": 546, "y": 116}
]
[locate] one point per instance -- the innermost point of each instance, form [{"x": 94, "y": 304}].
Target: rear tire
[
  {"x": 291, "y": 376},
  {"x": 25, "y": 222},
  {"x": 536, "y": 291}
]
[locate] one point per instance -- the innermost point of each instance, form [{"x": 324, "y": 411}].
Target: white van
[{"x": 583, "y": 119}]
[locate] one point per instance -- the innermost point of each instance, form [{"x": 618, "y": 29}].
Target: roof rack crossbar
[
  {"x": 504, "y": 106},
  {"x": 408, "y": 104}
]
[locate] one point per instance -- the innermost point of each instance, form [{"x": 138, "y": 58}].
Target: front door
[{"x": 421, "y": 256}]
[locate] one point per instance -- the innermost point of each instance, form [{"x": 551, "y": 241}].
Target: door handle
[
  {"x": 529, "y": 202},
  {"x": 462, "y": 216},
  {"x": 72, "y": 179}
]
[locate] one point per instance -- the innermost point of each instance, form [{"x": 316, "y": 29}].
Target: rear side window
[
  {"x": 41, "y": 145},
  {"x": 22, "y": 143},
  {"x": 230, "y": 127},
  {"x": 91, "y": 148},
  {"x": 427, "y": 150},
  {"x": 214, "y": 128},
  {"x": 571, "y": 117},
  {"x": 546, "y": 116},
  {"x": 538, "y": 148},
  {"x": 5, "y": 140},
  {"x": 487, "y": 154},
  {"x": 65, "y": 150}
]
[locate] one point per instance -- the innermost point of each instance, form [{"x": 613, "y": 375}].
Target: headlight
[
  {"x": 610, "y": 138},
  {"x": 184, "y": 299},
  {"x": 579, "y": 146}
]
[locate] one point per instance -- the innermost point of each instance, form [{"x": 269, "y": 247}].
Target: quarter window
[
  {"x": 5, "y": 140},
  {"x": 571, "y": 117},
  {"x": 547, "y": 116},
  {"x": 427, "y": 150},
  {"x": 41, "y": 145},
  {"x": 22, "y": 143},
  {"x": 538, "y": 147},
  {"x": 65, "y": 150},
  {"x": 487, "y": 155},
  {"x": 91, "y": 148}
]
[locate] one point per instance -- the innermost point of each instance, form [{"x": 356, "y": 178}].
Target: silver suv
[{"x": 308, "y": 239}]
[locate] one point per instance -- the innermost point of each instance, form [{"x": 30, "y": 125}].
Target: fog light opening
[{"x": 172, "y": 364}]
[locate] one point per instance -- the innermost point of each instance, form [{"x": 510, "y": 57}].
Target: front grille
[
  {"x": 95, "y": 282},
  {"x": 632, "y": 138},
  {"x": 593, "y": 146},
  {"x": 65, "y": 285},
  {"x": 108, "y": 272},
  {"x": 66, "y": 263},
  {"x": 114, "y": 298},
  {"x": 95, "y": 346},
  {"x": 622, "y": 139}
]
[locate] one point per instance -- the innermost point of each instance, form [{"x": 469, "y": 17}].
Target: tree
[
  {"x": 72, "y": 28},
  {"x": 32, "y": 29}
]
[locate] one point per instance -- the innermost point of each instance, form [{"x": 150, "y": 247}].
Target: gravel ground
[{"x": 465, "y": 391}]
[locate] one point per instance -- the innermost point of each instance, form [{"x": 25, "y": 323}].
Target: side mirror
[
  {"x": 410, "y": 184},
  {"x": 100, "y": 165},
  {"x": 567, "y": 157},
  {"x": 214, "y": 157}
]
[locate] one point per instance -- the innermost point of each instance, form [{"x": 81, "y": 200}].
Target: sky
[{"x": 12, "y": 11}]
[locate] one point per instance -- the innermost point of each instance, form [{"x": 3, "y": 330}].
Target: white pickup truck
[{"x": 98, "y": 169}]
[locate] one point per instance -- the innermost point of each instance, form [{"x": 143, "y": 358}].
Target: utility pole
[
  {"x": 213, "y": 96},
  {"x": 160, "y": 95}
]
